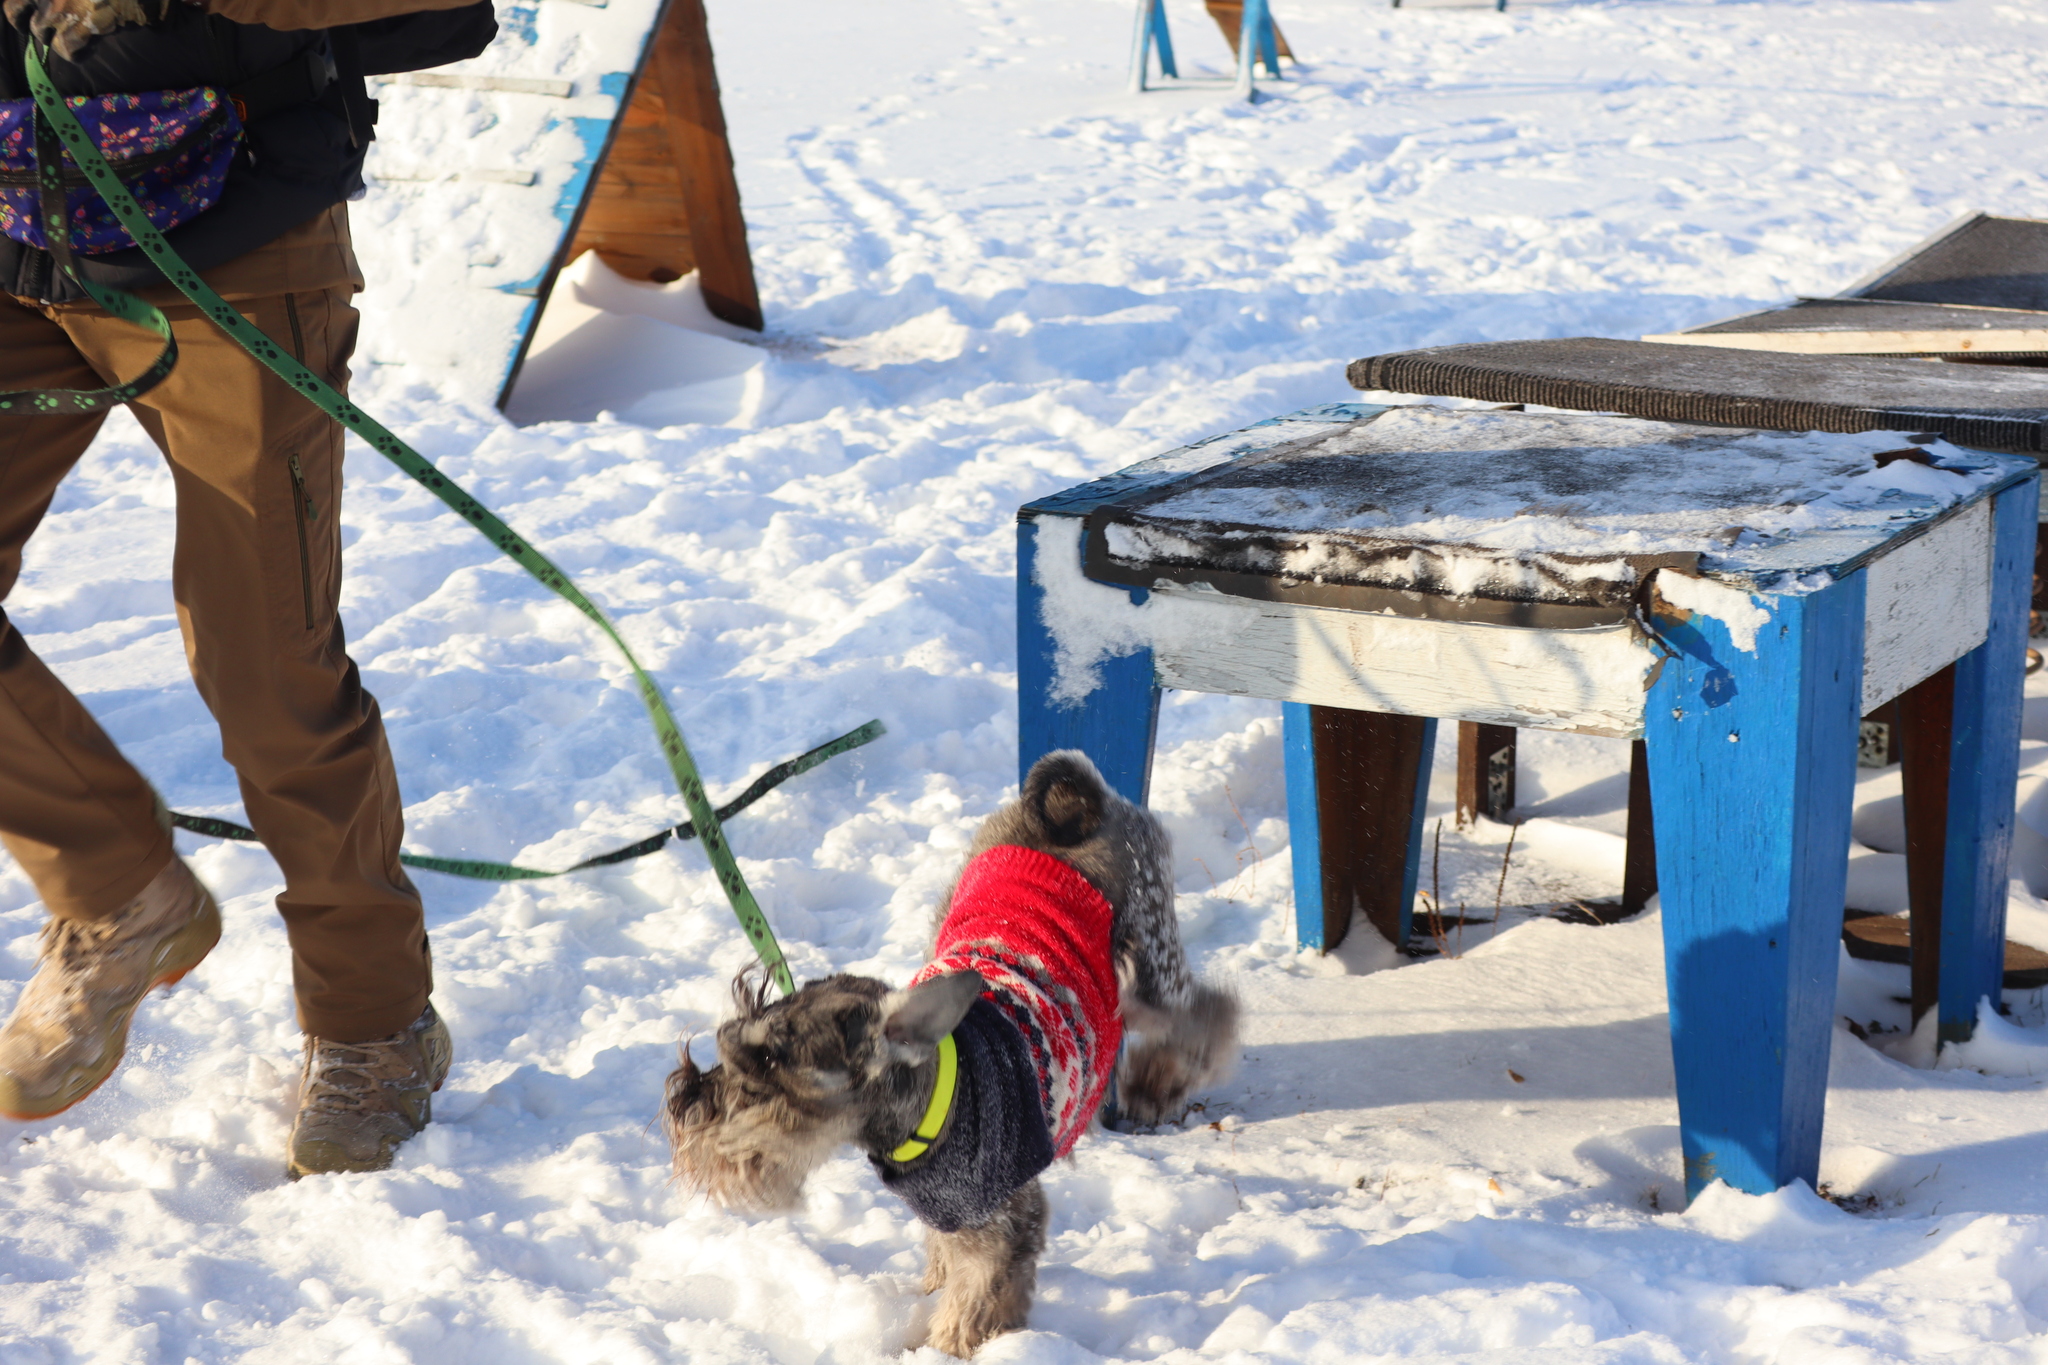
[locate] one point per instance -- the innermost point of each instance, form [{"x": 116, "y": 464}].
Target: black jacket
[
  {"x": 309, "y": 120},
  {"x": 995, "y": 1140}
]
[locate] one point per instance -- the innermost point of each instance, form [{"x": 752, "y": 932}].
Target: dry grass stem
[
  {"x": 1251, "y": 845},
  {"x": 1500, "y": 889}
]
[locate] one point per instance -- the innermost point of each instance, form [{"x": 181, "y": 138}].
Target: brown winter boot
[
  {"x": 359, "y": 1101},
  {"x": 70, "y": 1026}
]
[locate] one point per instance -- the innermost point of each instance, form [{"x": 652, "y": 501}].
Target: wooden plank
[
  {"x": 1639, "y": 859},
  {"x": 1926, "y": 713},
  {"x": 1954, "y": 341},
  {"x": 634, "y": 217},
  {"x": 681, "y": 53},
  {"x": 1752, "y": 761},
  {"x": 1590, "y": 681},
  {"x": 1114, "y": 724},
  {"x": 2039, "y": 602},
  {"x": 1984, "y": 776},
  {"x": 1362, "y": 780},
  {"x": 1229, "y": 16},
  {"x": 1486, "y": 772},
  {"x": 1927, "y": 603}
]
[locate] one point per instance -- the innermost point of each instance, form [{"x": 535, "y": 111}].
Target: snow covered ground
[{"x": 990, "y": 273}]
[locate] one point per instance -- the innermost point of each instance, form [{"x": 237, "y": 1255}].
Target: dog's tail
[{"x": 1065, "y": 797}]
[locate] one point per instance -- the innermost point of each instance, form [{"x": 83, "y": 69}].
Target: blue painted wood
[
  {"x": 1256, "y": 43},
  {"x": 1983, "y": 775},
  {"x": 1304, "y": 823},
  {"x": 1151, "y": 32},
  {"x": 1114, "y": 725},
  {"x": 1752, "y": 760},
  {"x": 1258, "y": 18},
  {"x": 595, "y": 135}
]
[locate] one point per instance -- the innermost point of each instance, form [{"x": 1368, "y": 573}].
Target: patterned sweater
[{"x": 1039, "y": 935}]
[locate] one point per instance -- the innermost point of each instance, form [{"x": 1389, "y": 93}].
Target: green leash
[
  {"x": 479, "y": 870},
  {"x": 58, "y": 131}
]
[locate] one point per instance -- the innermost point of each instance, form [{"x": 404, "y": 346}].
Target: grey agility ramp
[
  {"x": 1978, "y": 260},
  {"x": 1976, "y": 290},
  {"x": 1986, "y": 407},
  {"x": 1877, "y": 327}
]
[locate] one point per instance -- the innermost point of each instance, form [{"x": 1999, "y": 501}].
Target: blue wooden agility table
[{"x": 1735, "y": 598}]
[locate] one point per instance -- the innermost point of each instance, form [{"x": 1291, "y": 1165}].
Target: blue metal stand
[
  {"x": 1114, "y": 724},
  {"x": 1752, "y": 757},
  {"x": 1256, "y": 43},
  {"x": 1151, "y": 30}
]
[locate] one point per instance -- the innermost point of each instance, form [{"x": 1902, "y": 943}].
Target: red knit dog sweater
[{"x": 1039, "y": 935}]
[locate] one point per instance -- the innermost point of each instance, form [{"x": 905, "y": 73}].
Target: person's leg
[
  {"x": 257, "y": 579},
  {"x": 76, "y": 815},
  {"x": 126, "y": 915}
]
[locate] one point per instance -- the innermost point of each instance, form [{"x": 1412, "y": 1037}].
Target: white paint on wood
[
  {"x": 1591, "y": 681},
  {"x": 1993, "y": 341},
  {"x": 1927, "y": 603},
  {"x": 1202, "y": 640}
]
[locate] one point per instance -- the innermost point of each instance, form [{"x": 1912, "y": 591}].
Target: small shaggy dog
[{"x": 961, "y": 1088}]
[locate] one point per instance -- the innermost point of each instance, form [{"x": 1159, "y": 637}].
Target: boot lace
[
  {"x": 345, "y": 1077},
  {"x": 76, "y": 948}
]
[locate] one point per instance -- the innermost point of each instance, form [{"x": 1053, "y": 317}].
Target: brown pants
[{"x": 257, "y": 579}]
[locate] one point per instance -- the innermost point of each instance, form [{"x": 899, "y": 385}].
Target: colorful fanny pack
[{"x": 171, "y": 149}]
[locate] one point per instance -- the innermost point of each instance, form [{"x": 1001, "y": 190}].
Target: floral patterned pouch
[{"x": 171, "y": 148}]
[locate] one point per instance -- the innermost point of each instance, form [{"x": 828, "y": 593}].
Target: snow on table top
[{"x": 1549, "y": 505}]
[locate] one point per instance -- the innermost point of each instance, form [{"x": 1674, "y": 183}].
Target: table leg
[
  {"x": 1357, "y": 786},
  {"x": 1639, "y": 859},
  {"x": 1983, "y": 776},
  {"x": 1926, "y": 714},
  {"x": 1486, "y": 772},
  {"x": 1751, "y": 741},
  {"x": 1114, "y": 725}
]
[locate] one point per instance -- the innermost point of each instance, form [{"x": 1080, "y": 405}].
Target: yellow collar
[{"x": 928, "y": 1127}]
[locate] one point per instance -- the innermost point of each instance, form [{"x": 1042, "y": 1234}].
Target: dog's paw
[{"x": 961, "y": 1334}]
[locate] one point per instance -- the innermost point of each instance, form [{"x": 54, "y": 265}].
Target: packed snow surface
[{"x": 991, "y": 274}]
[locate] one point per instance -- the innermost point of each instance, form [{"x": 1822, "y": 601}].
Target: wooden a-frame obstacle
[{"x": 661, "y": 199}]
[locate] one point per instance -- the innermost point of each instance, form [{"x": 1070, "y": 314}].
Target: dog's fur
[{"x": 847, "y": 1059}]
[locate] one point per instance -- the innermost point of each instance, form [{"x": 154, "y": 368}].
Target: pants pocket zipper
[
  {"x": 303, "y": 511},
  {"x": 302, "y": 501}
]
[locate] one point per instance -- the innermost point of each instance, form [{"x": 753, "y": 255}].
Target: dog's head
[{"x": 845, "y": 1059}]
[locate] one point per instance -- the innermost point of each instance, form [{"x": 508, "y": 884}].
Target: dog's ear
[
  {"x": 1066, "y": 796},
  {"x": 919, "y": 1017}
]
